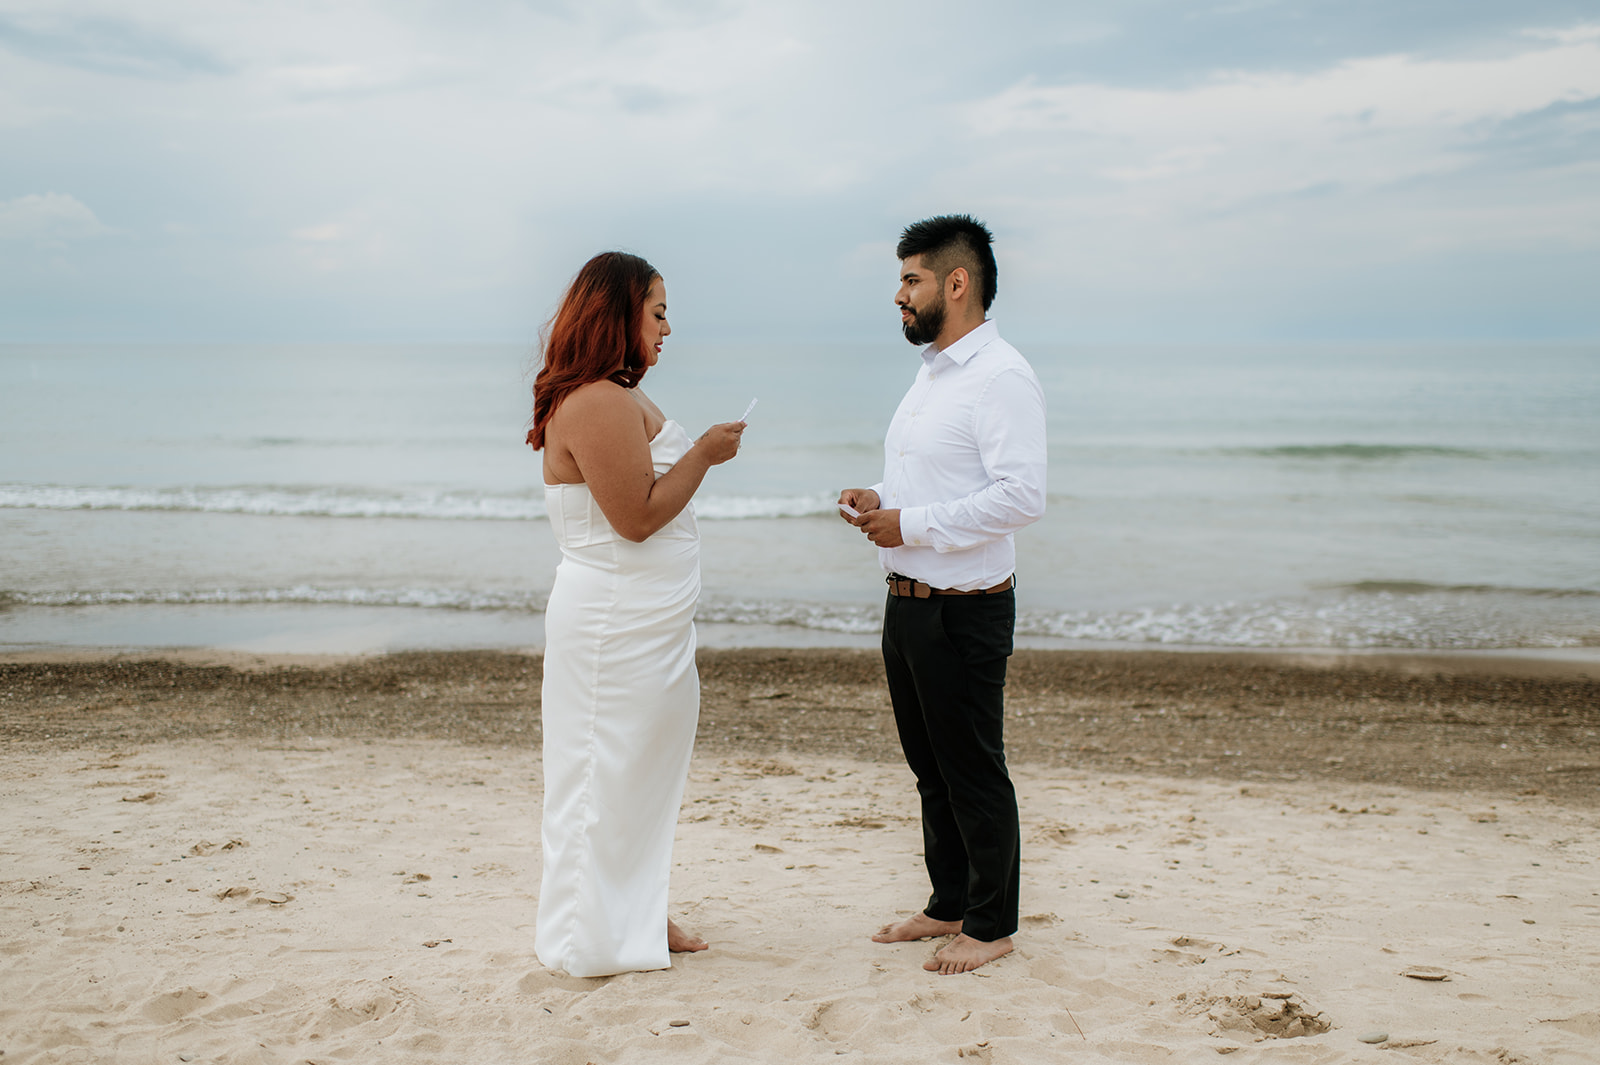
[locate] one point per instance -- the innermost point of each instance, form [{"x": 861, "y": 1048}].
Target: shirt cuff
[{"x": 914, "y": 526}]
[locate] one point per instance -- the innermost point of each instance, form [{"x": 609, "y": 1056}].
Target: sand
[{"x": 235, "y": 861}]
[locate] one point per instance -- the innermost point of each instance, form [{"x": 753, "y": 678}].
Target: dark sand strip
[{"x": 1498, "y": 726}]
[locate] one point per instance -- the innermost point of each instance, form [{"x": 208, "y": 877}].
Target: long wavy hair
[{"x": 594, "y": 335}]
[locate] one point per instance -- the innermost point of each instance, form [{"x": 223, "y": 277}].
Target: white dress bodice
[{"x": 577, "y": 521}]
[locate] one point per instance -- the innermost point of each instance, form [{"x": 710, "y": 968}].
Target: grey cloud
[
  {"x": 107, "y": 46},
  {"x": 1171, "y": 43},
  {"x": 1563, "y": 133},
  {"x": 642, "y": 99}
]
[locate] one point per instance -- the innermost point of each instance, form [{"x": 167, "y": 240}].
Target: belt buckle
[{"x": 904, "y": 587}]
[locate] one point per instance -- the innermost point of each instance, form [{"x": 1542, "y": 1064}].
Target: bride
[{"x": 621, "y": 696}]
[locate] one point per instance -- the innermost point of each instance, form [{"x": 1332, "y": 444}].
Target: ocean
[{"x": 303, "y": 498}]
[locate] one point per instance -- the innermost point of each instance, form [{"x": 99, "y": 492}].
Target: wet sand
[{"x": 1495, "y": 725}]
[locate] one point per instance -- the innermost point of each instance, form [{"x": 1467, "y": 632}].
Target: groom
[{"x": 964, "y": 470}]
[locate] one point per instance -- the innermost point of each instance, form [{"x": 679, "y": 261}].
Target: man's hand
[
  {"x": 859, "y": 499},
  {"x": 881, "y": 526}
]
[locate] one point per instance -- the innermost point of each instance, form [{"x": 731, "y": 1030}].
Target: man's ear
[{"x": 956, "y": 283}]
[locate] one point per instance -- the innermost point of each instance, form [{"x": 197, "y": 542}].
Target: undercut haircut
[{"x": 947, "y": 241}]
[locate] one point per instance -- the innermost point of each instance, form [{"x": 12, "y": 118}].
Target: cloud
[
  {"x": 51, "y": 217},
  {"x": 1246, "y": 134},
  {"x": 106, "y": 43},
  {"x": 338, "y": 169}
]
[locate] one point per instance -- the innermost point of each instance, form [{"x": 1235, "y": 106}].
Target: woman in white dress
[{"x": 621, "y": 696}]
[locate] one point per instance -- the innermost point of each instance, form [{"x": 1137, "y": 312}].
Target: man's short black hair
[{"x": 947, "y": 241}]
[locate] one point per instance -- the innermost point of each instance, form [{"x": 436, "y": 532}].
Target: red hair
[{"x": 594, "y": 335}]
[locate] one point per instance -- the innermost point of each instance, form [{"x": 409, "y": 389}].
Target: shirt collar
[{"x": 964, "y": 349}]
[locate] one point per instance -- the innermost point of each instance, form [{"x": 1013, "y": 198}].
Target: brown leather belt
[{"x": 906, "y": 587}]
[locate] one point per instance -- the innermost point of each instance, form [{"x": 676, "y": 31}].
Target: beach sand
[{"x": 219, "y": 858}]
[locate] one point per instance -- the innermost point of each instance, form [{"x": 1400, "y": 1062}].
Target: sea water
[{"x": 298, "y": 497}]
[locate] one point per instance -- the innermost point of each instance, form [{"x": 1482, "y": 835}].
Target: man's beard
[{"x": 923, "y": 326}]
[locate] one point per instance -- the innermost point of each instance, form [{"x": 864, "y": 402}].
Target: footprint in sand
[
  {"x": 544, "y": 979},
  {"x": 206, "y": 847},
  {"x": 173, "y": 1006}
]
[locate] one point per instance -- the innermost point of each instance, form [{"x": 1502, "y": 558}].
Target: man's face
[{"x": 921, "y": 302}]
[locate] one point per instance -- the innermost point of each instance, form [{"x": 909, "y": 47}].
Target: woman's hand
[
  {"x": 721, "y": 442},
  {"x": 603, "y": 428}
]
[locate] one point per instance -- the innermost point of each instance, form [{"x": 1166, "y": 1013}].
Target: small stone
[
  {"x": 678, "y": 1024},
  {"x": 1373, "y": 1037},
  {"x": 1124, "y": 895}
]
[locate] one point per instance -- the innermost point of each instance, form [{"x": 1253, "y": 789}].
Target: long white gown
[{"x": 621, "y": 699}]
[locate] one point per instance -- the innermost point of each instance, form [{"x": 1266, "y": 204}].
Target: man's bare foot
[
  {"x": 964, "y": 954},
  {"x": 681, "y": 942},
  {"x": 920, "y": 926}
]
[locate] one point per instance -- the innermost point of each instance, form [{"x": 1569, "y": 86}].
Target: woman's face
[{"x": 653, "y": 328}]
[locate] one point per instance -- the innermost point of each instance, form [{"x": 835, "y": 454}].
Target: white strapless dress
[{"x": 621, "y": 699}]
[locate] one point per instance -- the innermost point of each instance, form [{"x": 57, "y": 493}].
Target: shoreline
[
  {"x": 339, "y": 628},
  {"x": 1576, "y": 663}
]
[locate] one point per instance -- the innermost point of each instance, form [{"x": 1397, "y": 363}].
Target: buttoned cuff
[{"x": 914, "y": 526}]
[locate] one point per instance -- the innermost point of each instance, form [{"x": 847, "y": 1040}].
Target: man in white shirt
[{"x": 964, "y": 470}]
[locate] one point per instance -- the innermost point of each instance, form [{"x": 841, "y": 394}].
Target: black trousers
[{"x": 945, "y": 660}]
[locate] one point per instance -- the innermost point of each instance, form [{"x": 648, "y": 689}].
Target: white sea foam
[
  {"x": 426, "y": 598},
  {"x": 1432, "y": 622},
  {"x": 1425, "y": 622},
  {"x": 825, "y": 617},
  {"x": 322, "y": 501}
]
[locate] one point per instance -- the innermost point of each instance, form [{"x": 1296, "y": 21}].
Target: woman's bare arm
[{"x": 603, "y": 430}]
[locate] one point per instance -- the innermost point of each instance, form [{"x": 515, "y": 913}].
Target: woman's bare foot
[
  {"x": 681, "y": 942},
  {"x": 964, "y": 954},
  {"x": 920, "y": 926}
]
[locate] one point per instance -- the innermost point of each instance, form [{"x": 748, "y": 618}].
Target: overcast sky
[{"x": 1154, "y": 171}]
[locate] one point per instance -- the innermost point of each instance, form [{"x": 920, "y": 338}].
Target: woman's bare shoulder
[
  {"x": 597, "y": 399},
  {"x": 596, "y": 392}
]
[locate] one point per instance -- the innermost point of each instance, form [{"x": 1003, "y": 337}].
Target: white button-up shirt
[{"x": 964, "y": 462}]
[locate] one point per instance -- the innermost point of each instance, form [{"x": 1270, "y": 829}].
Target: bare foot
[
  {"x": 964, "y": 954},
  {"x": 920, "y": 926},
  {"x": 681, "y": 942}
]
